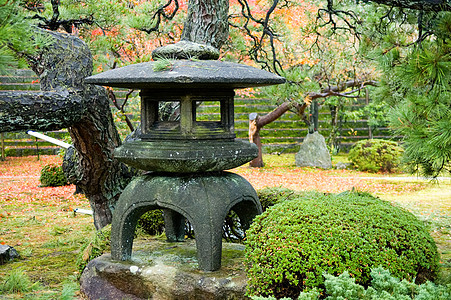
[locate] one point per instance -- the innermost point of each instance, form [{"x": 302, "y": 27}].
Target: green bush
[
  {"x": 375, "y": 155},
  {"x": 293, "y": 243},
  {"x": 152, "y": 222},
  {"x": 383, "y": 287},
  {"x": 232, "y": 230},
  {"x": 273, "y": 195},
  {"x": 52, "y": 175}
]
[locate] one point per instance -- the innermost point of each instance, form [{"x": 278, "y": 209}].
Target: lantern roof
[{"x": 167, "y": 74}]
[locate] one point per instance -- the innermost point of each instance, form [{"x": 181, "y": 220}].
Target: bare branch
[
  {"x": 160, "y": 14},
  {"x": 257, "y": 52},
  {"x": 119, "y": 107},
  {"x": 54, "y": 23},
  {"x": 300, "y": 108},
  {"x": 338, "y": 89}
]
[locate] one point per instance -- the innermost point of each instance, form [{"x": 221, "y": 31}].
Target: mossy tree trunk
[
  {"x": 101, "y": 178},
  {"x": 66, "y": 101},
  {"x": 44, "y": 110}
]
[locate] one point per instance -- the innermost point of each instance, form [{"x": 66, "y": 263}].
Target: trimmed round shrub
[
  {"x": 376, "y": 155},
  {"x": 232, "y": 230},
  {"x": 291, "y": 245},
  {"x": 152, "y": 222},
  {"x": 273, "y": 195},
  {"x": 52, "y": 175}
]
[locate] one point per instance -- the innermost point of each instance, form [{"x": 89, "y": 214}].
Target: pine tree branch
[
  {"x": 54, "y": 23},
  {"x": 423, "y": 5},
  {"x": 160, "y": 14}
]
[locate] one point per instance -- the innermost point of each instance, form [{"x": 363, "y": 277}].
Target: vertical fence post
[
  {"x": 367, "y": 100},
  {"x": 2, "y": 137},
  {"x": 37, "y": 147}
]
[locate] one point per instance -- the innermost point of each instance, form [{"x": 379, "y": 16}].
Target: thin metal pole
[
  {"x": 37, "y": 147},
  {"x": 49, "y": 139}
]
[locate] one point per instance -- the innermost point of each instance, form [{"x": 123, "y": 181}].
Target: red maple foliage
[
  {"x": 20, "y": 186},
  {"x": 328, "y": 181}
]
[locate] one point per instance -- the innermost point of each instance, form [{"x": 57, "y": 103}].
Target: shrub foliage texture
[
  {"x": 273, "y": 195},
  {"x": 375, "y": 155},
  {"x": 292, "y": 244},
  {"x": 152, "y": 222},
  {"x": 232, "y": 231},
  {"x": 52, "y": 175}
]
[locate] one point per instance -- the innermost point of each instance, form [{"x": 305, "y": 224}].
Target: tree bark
[
  {"x": 336, "y": 90},
  {"x": 207, "y": 23},
  {"x": 2, "y": 146},
  {"x": 334, "y": 113},
  {"x": 254, "y": 137},
  {"x": 95, "y": 137},
  {"x": 84, "y": 109},
  {"x": 256, "y": 123},
  {"x": 21, "y": 111}
]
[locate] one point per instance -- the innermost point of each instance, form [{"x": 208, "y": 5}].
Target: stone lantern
[{"x": 186, "y": 156}]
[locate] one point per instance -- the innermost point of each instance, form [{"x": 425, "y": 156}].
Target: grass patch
[
  {"x": 17, "y": 282},
  {"x": 18, "y": 285},
  {"x": 39, "y": 223},
  {"x": 433, "y": 206},
  {"x": 287, "y": 160},
  {"x": 279, "y": 161}
]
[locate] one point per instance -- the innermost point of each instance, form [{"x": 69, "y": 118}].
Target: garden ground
[{"x": 40, "y": 223}]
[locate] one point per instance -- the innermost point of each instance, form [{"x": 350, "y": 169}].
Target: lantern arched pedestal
[{"x": 203, "y": 199}]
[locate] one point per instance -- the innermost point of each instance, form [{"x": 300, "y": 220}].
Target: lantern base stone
[{"x": 162, "y": 270}]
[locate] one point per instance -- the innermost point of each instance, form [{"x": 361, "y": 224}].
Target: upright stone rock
[{"x": 314, "y": 152}]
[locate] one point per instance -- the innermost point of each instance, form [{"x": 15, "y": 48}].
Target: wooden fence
[{"x": 284, "y": 134}]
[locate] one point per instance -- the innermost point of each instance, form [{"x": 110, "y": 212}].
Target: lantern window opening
[
  {"x": 207, "y": 115},
  {"x": 178, "y": 114}
]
